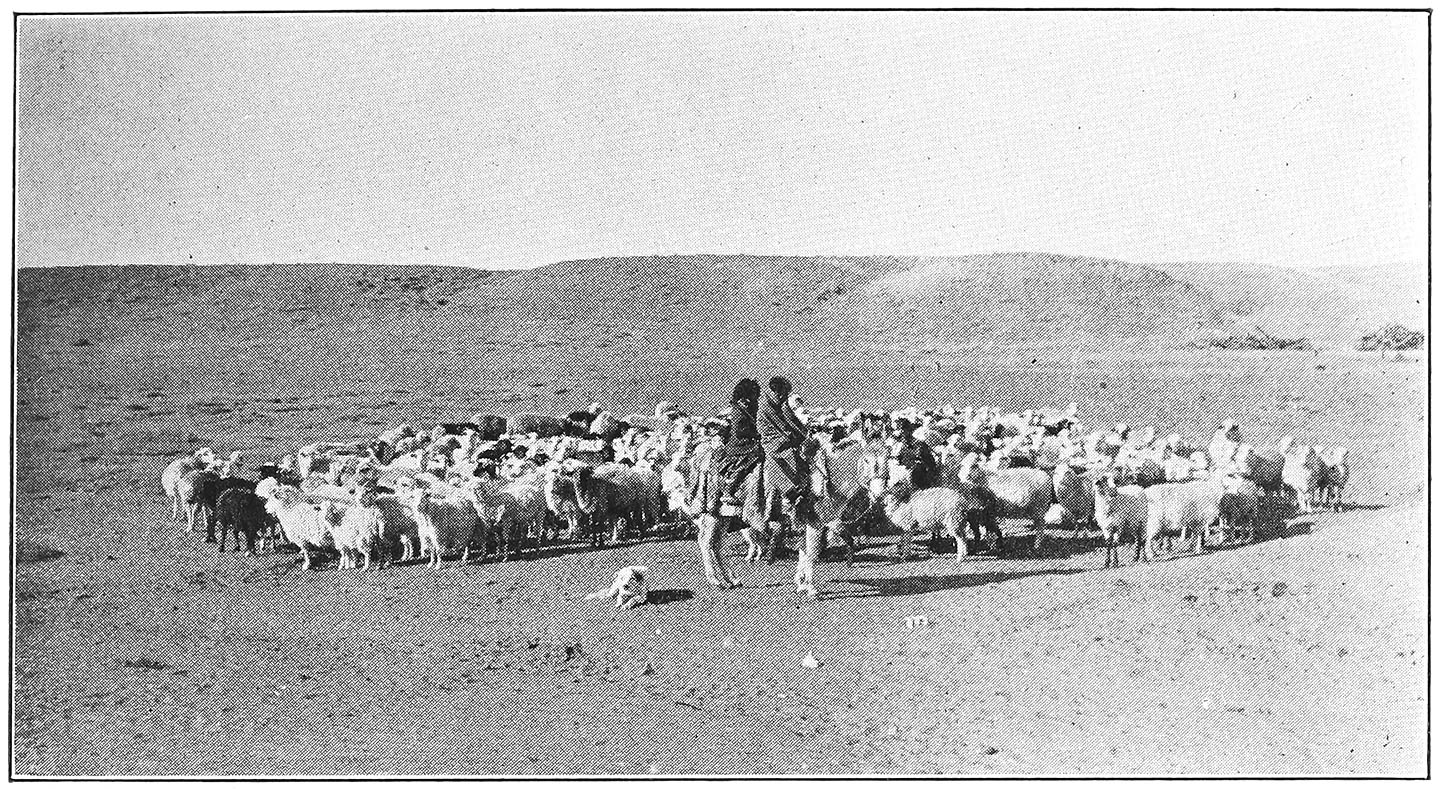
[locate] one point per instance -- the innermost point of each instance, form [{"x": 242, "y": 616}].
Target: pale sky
[{"x": 505, "y": 140}]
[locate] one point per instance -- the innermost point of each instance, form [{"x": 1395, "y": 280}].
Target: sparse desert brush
[
  {"x": 1255, "y": 340},
  {"x": 1392, "y": 337}
]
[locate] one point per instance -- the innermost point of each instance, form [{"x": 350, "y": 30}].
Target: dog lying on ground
[{"x": 629, "y": 589}]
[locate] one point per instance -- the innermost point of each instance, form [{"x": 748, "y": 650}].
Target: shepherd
[{"x": 785, "y": 478}]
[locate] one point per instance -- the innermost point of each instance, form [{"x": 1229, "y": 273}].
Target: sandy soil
[{"x": 139, "y": 650}]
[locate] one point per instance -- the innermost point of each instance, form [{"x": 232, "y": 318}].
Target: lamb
[
  {"x": 1183, "y": 508},
  {"x": 303, "y": 522},
  {"x": 1119, "y": 512},
  {"x": 170, "y": 478}
]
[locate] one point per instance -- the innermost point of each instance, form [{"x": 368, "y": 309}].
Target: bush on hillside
[
  {"x": 1256, "y": 340},
  {"x": 1392, "y": 337}
]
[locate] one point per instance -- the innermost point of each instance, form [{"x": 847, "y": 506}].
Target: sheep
[
  {"x": 639, "y": 497},
  {"x": 510, "y": 509},
  {"x": 1073, "y": 492},
  {"x": 319, "y": 457},
  {"x": 1023, "y": 493},
  {"x": 1337, "y": 473},
  {"x": 192, "y": 490},
  {"x": 1119, "y": 511},
  {"x": 1183, "y": 508},
  {"x": 240, "y": 511},
  {"x": 539, "y": 424},
  {"x": 1304, "y": 473},
  {"x": 1138, "y": 468},
  {"x": 357, "y": 531},
  {"x": 447, "y": 523},
  {"x": 1179, "y": 468},
  {"x": 1264, "y": 467},
  {"x": 1225, "y": 444},
  {"x": 303, "y": 522},
  {"x": 399, "y": 530},
  {"x": 929, "y": 510},
  {"x": 489, "y": 427},
  {"x": 170, "y": 478},
  {"x": 1239, "y": 508}
]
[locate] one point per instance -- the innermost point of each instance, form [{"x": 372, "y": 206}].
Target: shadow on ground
[{"x": 921, "y": 584}]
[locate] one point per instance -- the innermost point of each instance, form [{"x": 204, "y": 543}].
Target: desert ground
[{"x": 140, "y": 650}]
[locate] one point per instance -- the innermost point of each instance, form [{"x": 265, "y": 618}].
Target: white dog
[{"x": 629, "y": 589}]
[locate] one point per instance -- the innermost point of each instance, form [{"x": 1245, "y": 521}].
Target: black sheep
[
  {"x": 239, "y": 511},
  {"x": 210, "y": 494}
]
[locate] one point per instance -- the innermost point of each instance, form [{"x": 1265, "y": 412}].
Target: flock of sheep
[{"x": 494, "y": 486}]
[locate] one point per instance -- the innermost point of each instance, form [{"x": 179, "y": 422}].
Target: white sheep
[
  {"x": 173, "y": 473},
  {"x": 1183, "y": 508},
  {"x": 1120, "y": 511},
  {"x": 303, "y": 522},
  {"x": 357, "y": 531},
  {"x": 927, "y": 511},
  {"x": 448, "y": 521},
  {"x": 1304, "y": 473}
]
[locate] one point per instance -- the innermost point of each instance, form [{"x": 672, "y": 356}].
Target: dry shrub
[
  {"x": 1256, "y": 339},
  {"x": 1392, "y": 337}
]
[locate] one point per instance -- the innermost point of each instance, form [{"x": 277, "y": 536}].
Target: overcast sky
[{"x": 519, "y": 139}]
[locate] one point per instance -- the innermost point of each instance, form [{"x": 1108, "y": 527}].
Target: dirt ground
[{"x": 141, "y": 651}]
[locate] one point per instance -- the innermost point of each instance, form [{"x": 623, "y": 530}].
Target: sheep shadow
[
  {"x": 922, "y": 584},
  {"x": 663, "y": 596}
]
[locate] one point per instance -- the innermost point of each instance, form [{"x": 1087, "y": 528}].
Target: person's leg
[
  {"x": 708, "y": 525},
  {"x": 716, "y": 547}
]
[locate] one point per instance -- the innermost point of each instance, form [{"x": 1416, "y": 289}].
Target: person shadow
[{"x": 923, "y": 584}]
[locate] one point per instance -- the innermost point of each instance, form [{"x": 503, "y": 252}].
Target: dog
[{"x": 629, "y": 589}]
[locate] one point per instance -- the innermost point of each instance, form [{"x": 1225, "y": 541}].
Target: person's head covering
[{"x": 746, "y": 389}]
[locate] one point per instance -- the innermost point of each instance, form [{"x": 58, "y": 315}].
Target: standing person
[
  {"x": 705, "y": 492},
  {"x": 743, "y": 453},
  {"x": 785, "y": 476}
]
